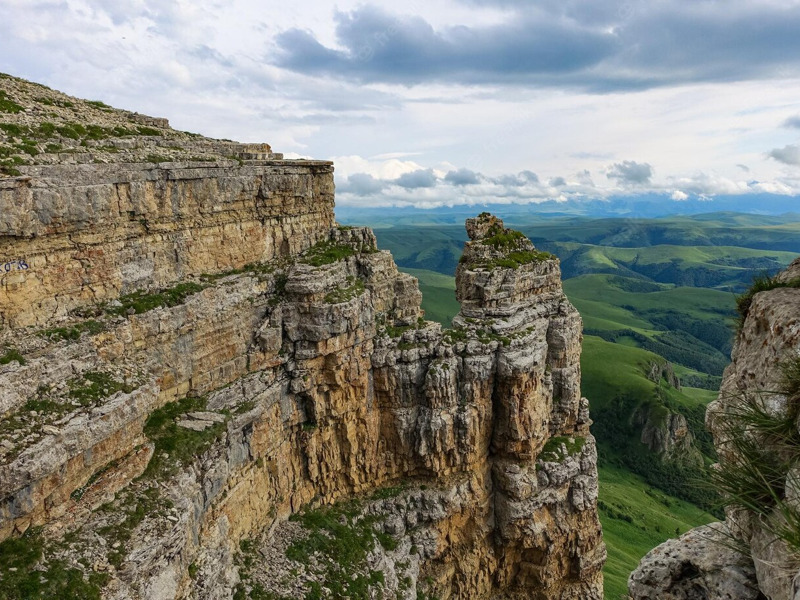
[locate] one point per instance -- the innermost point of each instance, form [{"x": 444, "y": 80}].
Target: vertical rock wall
[{"x": 310, "y": 377}]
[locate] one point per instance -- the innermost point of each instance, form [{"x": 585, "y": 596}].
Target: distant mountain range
[{"x": 643, "y": 206}]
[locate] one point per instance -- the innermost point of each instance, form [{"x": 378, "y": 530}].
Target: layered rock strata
[
  {"x": 758, "y": 401},
  {"x": 184, "y": 398}
]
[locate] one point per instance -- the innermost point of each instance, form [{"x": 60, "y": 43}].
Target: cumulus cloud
[
  {"x": 362, "y": 184},
  {"x": 788, "y": 155},
  {"x": 428, "y": 188},
  {"x": 518, "y": 180},
  {"x": 631, "y": 172},
  {"x": 462, "y": 177},
  {"x": 422, "y": 178}
]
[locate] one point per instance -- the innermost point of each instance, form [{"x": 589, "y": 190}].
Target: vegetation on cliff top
[
  {"x": 761, "y": 283},
  {"x": 39, "y": 125}
]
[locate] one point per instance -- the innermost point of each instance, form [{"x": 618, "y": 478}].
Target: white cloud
[
  {"x": 679, "y": 196},
  {"x": 391, "y": 168}
]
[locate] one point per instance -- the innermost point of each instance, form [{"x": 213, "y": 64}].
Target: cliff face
[
  {"x": 754, "y": 553},
  {"x": 207, "y": 385}
]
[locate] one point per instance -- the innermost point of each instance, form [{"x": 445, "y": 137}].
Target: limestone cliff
[
  {"x": 211, "y": 390},
  {"x": 755, "y": 553}
]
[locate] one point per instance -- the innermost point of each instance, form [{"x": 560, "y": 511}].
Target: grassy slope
[
  {"x": 438, "y": 295},
  {"x": 701, "y": 303},
  {"x": 656, "y": 517},
  {"x": 609, "y": 369}
]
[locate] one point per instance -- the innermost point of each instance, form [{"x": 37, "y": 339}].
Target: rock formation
[
  {"x": 211, "y": 390},
  {"x": 754, "y": 424}
]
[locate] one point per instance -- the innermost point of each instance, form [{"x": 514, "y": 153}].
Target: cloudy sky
[{"x": 451, "y": 101}]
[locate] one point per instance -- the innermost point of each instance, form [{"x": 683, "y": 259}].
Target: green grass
[
  {"x": 515, "y": 259},
  {"x": 95, "y": 385},
  {"x": 177, "y": 446},
  {"x": 559, "y": 448},
  {"x": 600, "y": 383},
  {"x": 157, "y": 158},
  {"x": 692, "y": 327},
  {"x": 761, "y": 283},
  {"x": 342, "y": 536},
  {"x": 324, "y": 253},
  {"x": 147, "y": 503},
  {"x": 141, "y": 302},
  {"x": 353, "y": 287},
  {"x": 72, "y": 332},
  {"x": 30, "y": 571},
  {"x": 7, "y": 105},
  {"x": 438, "y": 295},
  {"x": 655, "y": 518},
  {"x": 12, "y": 354}
]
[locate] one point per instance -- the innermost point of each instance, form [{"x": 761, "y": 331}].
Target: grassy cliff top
[{"x": 39, "y": 125}]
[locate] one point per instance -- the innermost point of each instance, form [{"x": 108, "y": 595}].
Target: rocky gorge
[{"x": 212, "y": 390}]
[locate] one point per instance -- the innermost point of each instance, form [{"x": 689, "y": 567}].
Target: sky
[{"x": 444, "y": 102}]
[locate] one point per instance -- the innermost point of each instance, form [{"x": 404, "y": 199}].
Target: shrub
[
  {"x": 340, "y": 537},
  {"x": 758, "y": 450},
  {"x": 12, "y": 354}
]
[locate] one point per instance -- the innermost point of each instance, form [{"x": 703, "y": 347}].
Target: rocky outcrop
[
  {"x": 754, "y": 424},
  {"x": 208, "y": 402},
  {"x": 656, "y": 371},
  {"x": 700, "y": 564},
  {"x": 666, "y": 433}
]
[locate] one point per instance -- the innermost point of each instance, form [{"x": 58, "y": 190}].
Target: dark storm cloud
[
  {"x": 598, "y": 46},
  {"x": 629, "y": 171},
  {"x": 789, "y": 155},
  {"x": 380, "y": 46},
  {"x": 422, "y": 178},
  {"x": 462, "y": 177}
]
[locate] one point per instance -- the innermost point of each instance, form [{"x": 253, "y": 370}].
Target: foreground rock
[
  {"x": 702, "y": 564},
  {"x": 754, "y": 424},
  {"x": 240, "y": 396}
]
